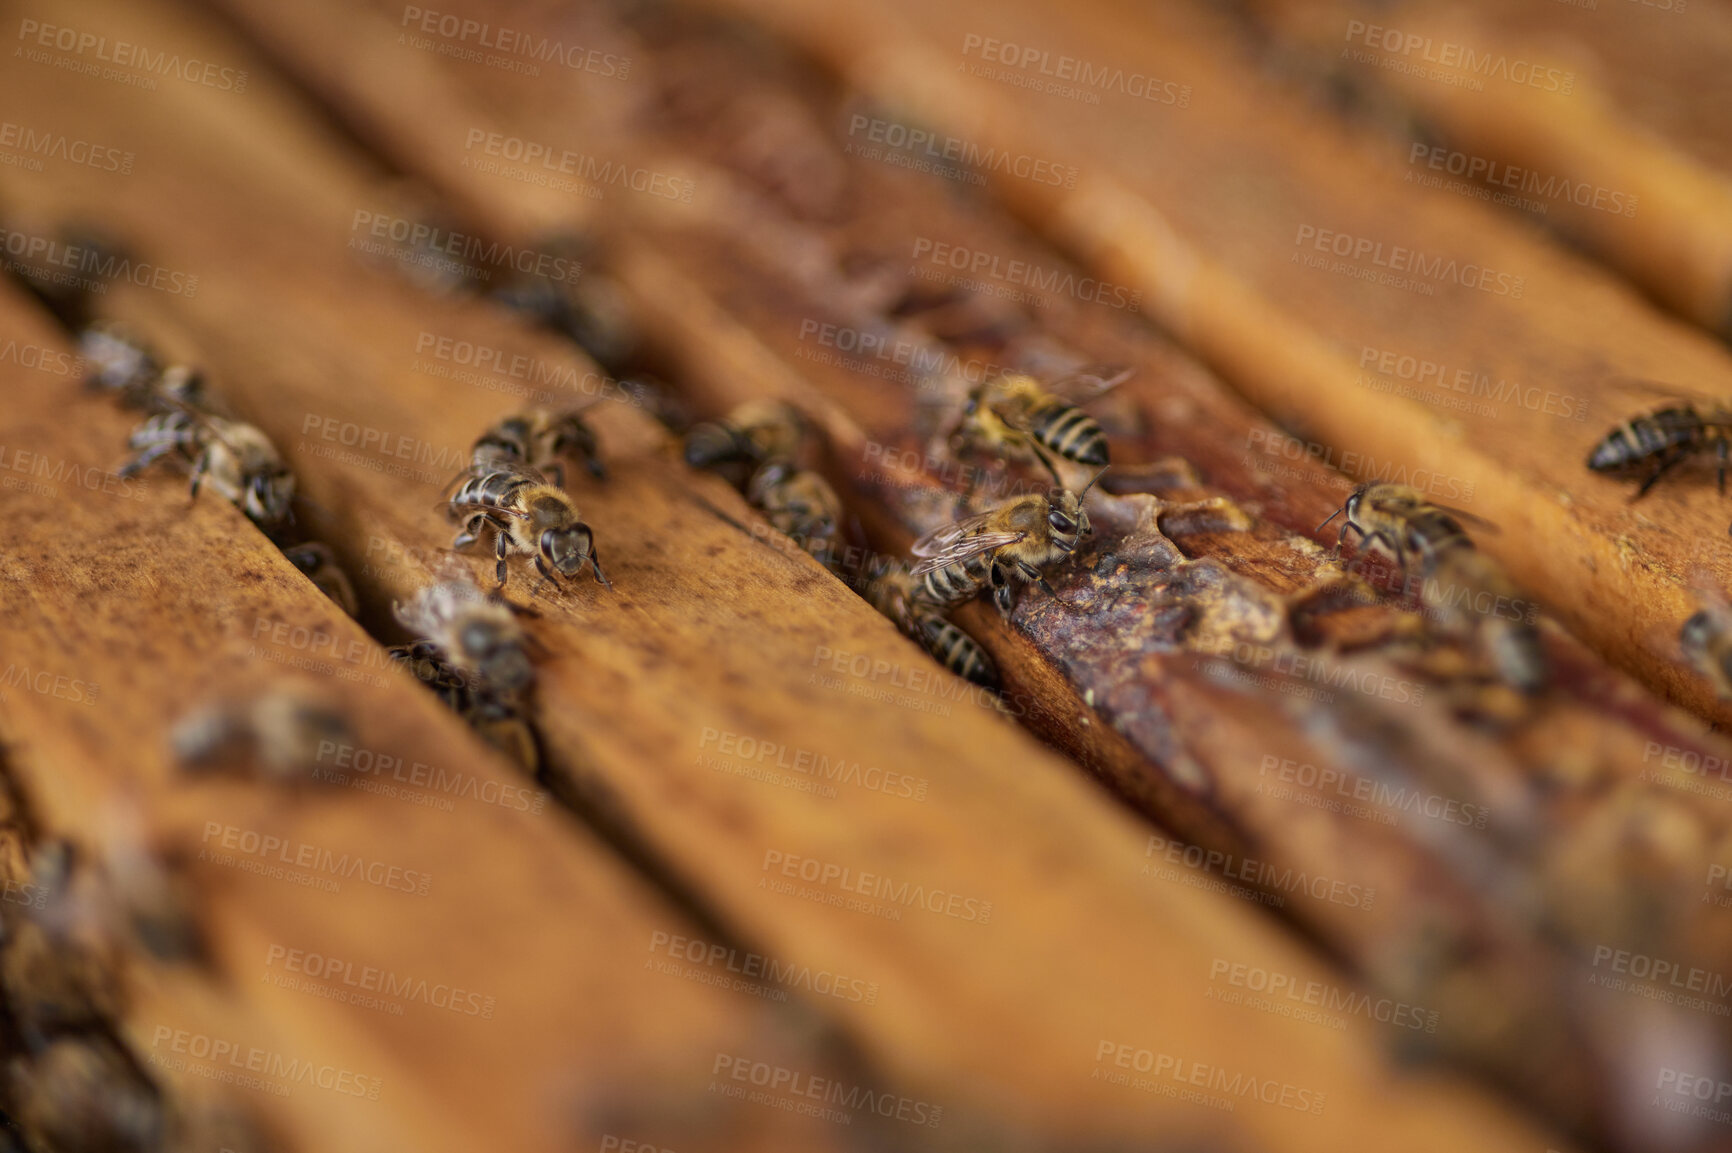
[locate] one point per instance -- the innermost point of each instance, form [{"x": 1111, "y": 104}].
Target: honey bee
[
  {"x": 239, "y": 460},
  {"x": 799, "y": 503},
  {"x": 1706, "y": 641},
  {"x": 1462, "y": 592},
  {"x": 1402, "y": 520},
  {"x": 280, "y": 731},
  {"x": 1016, "y": 540},
  {"x": 498, "y": 721},
  {"x": 57, "y": 964},
  {"x": 118, "y": 361},
  {"x": 1012, "y": 417},
  {"x": 1660, "y": 441},
  {"x": 475, "y": 634},
  {"x": 755, "y": 432},
  {"x": 895, "y": 592},
  {"x": 316, "y": 561},
  {"x": 82, "y": 1092},
  {"x": 537, "y": 439},
  {"x": 526, "y": 515}
]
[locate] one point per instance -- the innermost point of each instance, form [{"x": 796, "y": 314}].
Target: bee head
[
  {"x": 1697, "y": 631},
  {"x": 566, "y": 548},
  {"x": 268, "y": 497},
  {"x": 1067, "y": 519}
]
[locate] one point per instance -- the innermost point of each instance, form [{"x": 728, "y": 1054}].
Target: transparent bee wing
[
  {"x": 940, "y": 539},
  {"x": 955, "y": 543},
  {"x": 1458, "y": 513},
  {"x": 1086, "y": 384}
]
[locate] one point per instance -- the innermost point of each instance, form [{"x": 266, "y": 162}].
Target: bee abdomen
[
  {"x": 958, "y": 652},
  {"x": 1639, "y": 440},
  {"x": 1072, "y": 434},
  {"x": 1521, "y": 658},
  {"x": 957, "y": 581},
  {"x": 713, "y": 443}
]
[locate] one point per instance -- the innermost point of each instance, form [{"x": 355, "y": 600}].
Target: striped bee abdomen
[
  {"x": 1070, "y": 432},
  {"x": 957, "y": 582},
  {"x": 1638, "y": 441},
  {"x": 958, "y": 652}
]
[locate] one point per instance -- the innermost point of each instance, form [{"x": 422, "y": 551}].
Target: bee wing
[
  {"x": 1458, "y": 513},
  {"x": 1086, "y": 384},
  {"x": 957, "y": 542}
]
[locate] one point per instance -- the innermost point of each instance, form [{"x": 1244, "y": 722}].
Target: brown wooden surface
[
  {"x": 755, "y": 346},
  {"x": 156, "y": 601},
  {"x": 1000, "y": 1021}
]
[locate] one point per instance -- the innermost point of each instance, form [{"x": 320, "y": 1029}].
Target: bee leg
[
  {"x": 1665, "y": 466},
  {"x": 198, "y": 472},
  {"x": 145, "y": 459},
  {"x": 556, "y": 470},
  {"x": 1041, "y": 455},
  {"x": 1000, "y": 589},
  {"x": 501, "y": 548},
  {"x": 546, "y": 574},
  {"x": 1034, "y": 576},
  {"x": 595, "y": 567}
]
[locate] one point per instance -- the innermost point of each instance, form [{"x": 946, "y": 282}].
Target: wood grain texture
[
  {"x": 761, "y": 343},
  {"x": 998, "y": 1018},
  {"x": 151, "y": 605}
]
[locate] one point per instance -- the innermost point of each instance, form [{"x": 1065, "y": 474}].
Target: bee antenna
[
  {"x": 1092, "y": 479},
  {"x": 1332, "y": 516}
]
